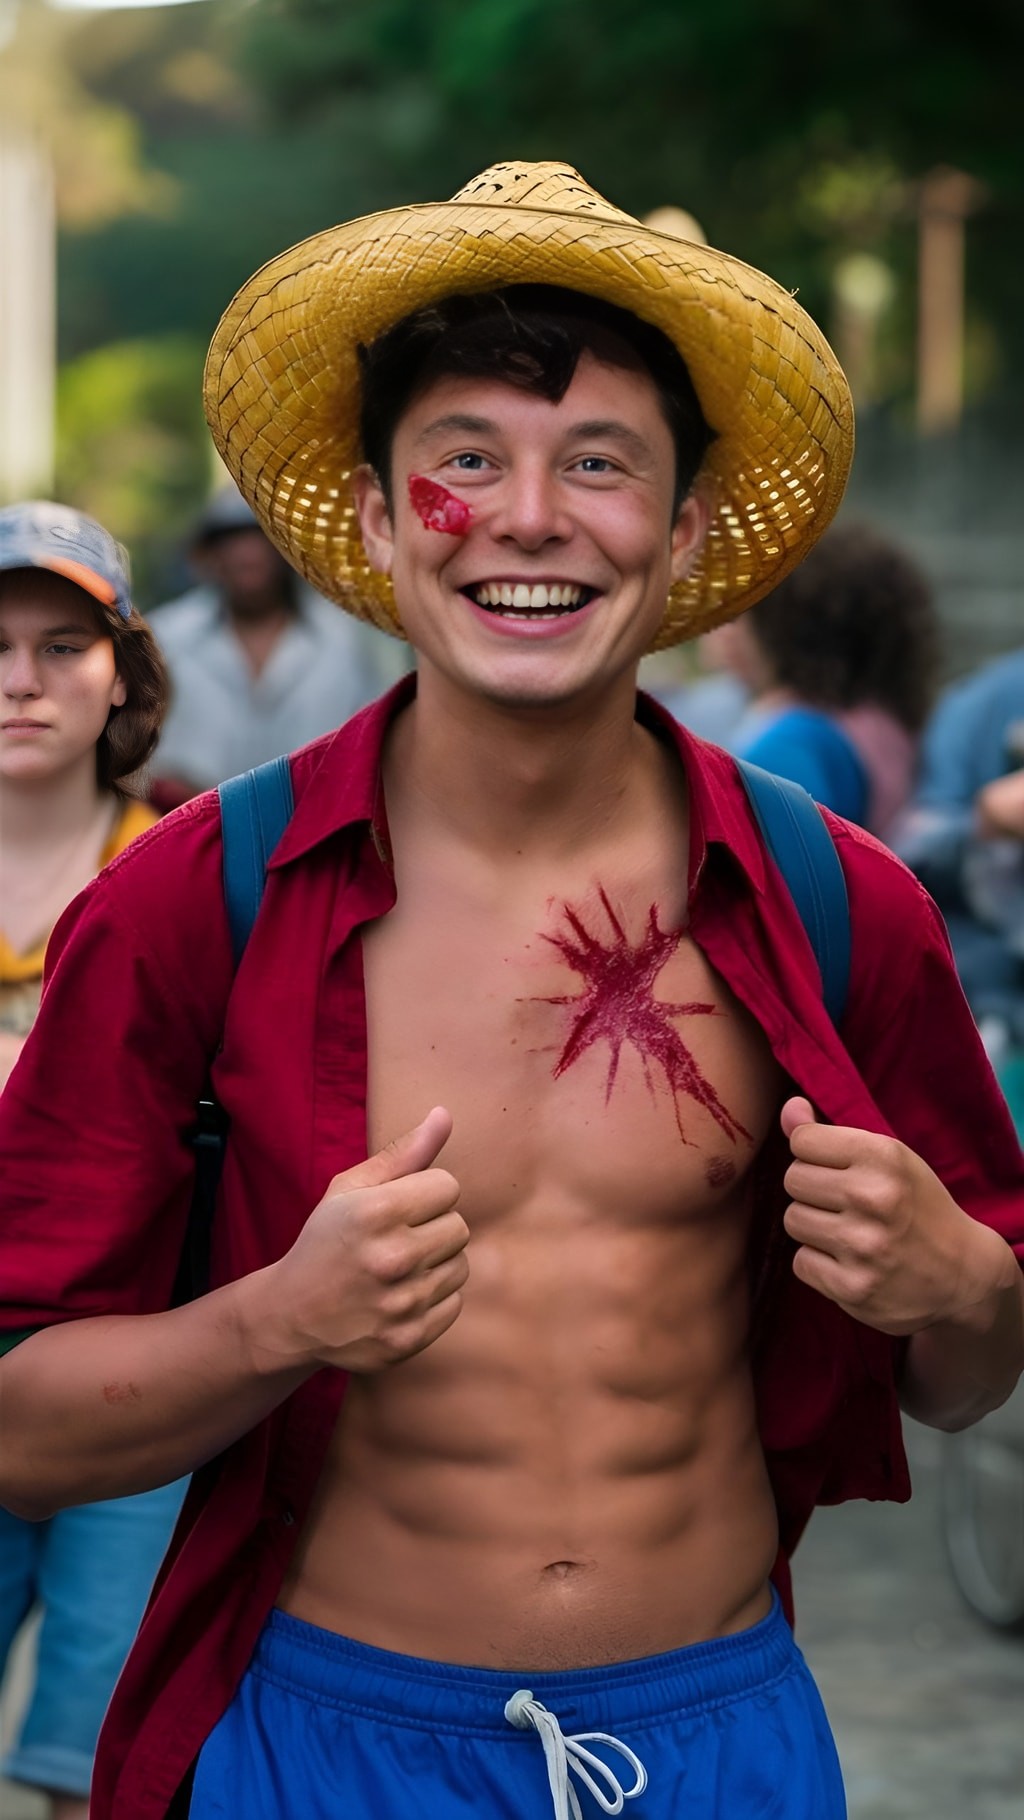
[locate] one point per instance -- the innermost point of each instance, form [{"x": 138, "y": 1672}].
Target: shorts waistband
[{"x": 332, "y": 1670}]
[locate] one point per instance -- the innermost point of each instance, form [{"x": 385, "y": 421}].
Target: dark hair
[
  {"x": 531, "y": 336},
  {"x": 853, "y": 624},
  {"x": 131, "y": 732}
]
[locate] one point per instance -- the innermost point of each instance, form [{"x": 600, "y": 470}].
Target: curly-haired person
[{"x": 841, "y": 660}]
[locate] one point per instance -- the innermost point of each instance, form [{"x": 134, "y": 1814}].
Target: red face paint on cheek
[{"x": 438, "y": 509}]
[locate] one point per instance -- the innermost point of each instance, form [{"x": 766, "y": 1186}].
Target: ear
[
  {"x": 688, "y": 534},
  {"x": 374, "y": 519},
  {"x": 119, "y": 692}
]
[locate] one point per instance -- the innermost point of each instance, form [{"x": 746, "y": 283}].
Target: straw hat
[{"x": 282, "y": 380}]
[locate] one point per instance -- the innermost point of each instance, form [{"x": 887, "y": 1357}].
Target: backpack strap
[
  {"x": 255, "y": 810},
  {"x": 796, "y": 836}
]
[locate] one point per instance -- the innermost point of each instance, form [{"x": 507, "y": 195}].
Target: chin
[{"x": 534, "y": 692}]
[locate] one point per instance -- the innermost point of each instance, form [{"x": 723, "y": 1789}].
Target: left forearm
[{"x": 958, "y": 1369}]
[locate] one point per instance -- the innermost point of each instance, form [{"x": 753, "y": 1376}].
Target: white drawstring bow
[{"x": 563, "y": 1754}]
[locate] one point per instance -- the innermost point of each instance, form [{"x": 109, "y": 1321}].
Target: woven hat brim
[{"x": 281, "y": 385}]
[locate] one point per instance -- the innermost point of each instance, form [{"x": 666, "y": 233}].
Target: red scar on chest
[
  {"x": 438, "y": 509},
  {"x": 618, "y": 1006}
]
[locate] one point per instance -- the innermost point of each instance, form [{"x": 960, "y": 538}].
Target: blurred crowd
[{"x": 109, "y": 721}]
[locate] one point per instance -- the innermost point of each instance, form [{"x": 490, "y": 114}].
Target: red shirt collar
[{"x": 345, "y": 787}]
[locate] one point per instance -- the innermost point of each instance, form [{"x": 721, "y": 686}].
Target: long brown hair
[{"x": 131, "y": 732}]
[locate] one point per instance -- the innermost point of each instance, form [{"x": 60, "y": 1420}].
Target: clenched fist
[
  {"x": 878, "y": 1232},
  {"x": 377, "y": 1271}
]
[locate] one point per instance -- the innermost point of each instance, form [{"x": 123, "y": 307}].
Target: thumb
[
  {"x": 797, "y": 1111},
  {"x": 405, "y": 1155}
]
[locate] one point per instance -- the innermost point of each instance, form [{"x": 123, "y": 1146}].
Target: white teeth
[{"x": 521, "y": 597}]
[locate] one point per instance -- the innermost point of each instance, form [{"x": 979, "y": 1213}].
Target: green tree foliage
[
  {"x": 132, "y": 447},
  {"x": 793, "y": 133}
]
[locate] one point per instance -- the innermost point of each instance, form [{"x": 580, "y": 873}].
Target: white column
[{"x": 28, "y": 337}]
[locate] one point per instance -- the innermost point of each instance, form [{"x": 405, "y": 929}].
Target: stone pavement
[{"x": 926, "y": 1702}]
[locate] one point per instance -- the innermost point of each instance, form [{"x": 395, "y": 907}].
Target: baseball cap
[
  {"x": 38, "y": 534},
  {"x": 223, "y": 515}
]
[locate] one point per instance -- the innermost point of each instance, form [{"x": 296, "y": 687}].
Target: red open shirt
[{"x": 96, "y": 1168}]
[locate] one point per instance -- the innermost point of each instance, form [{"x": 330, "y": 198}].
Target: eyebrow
[
  {"x": 602, "y": 428},
  {"x": 77, "y": 627},
  {"x": 456, "y": 420},
  {"x": 609, "y": 429}
]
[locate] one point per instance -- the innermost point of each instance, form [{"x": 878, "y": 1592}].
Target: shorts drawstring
[{"x": 563, "y": 1754}]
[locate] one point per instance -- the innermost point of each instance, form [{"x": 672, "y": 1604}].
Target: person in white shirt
[{"x": 259, "y": 663}]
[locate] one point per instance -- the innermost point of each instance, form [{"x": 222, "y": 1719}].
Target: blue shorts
[
  {"x": 322, "y": 1728},
  {"x": 90, "y": 1568}
]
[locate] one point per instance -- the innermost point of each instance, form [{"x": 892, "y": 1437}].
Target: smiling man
[{"x": 504, "y": 1436}]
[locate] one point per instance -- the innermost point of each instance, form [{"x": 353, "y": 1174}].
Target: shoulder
[
  {"x": 897, "y": 934},
  {"x": 996, "y": 684},
  {"x": 133, "y": 819},
  {"x": 877, "y": 881},
  {"x": 161, "y": 894}
]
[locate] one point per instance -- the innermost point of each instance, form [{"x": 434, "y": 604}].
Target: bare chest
[{"x": 588, "y": 1053}]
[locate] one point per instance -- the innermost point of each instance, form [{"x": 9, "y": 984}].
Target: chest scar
[
  {"x": 617, "y": 1006},
  {"x": 438, "y": 509}
]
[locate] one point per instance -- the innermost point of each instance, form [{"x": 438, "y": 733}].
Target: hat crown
[{"x": 539, "y": 186}]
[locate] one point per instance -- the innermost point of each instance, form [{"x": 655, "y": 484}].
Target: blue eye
[{"x": 595, "y": 464}]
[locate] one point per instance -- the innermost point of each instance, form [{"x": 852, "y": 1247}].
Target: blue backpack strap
[
  {"x": 255, "y": 810},
  {"x": 798, "y": 840}
]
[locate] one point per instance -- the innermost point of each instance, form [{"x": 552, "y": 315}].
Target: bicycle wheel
[{"x": 983, "y": 1522}]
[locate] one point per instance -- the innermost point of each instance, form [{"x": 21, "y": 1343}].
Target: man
[
  {"x": 478, "y": 1523},
  {"x": 259, "y": 662},
  {"x": 964, "y": 833}
]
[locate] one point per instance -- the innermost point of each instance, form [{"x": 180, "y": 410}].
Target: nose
[
  {"x": 530, "y": 511},
  {"x": 19, "y": 674}
]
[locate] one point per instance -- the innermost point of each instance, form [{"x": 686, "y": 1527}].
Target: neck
[
  {"x": 37, "y": 813},
  {"x": 504, "y": 779},
  {"x": 258, "y": 610}
]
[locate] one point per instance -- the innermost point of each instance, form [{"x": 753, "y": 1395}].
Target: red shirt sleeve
[
  {"x": 916, "y": 1045},
  {"x": 95, "y": 1165}
]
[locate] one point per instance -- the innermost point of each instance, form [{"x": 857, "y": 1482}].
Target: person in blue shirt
[
  {"x": 964, "y": 831},
  {"x": 840, "y": 660}
]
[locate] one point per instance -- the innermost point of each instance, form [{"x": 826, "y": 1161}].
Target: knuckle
[
  {"x": 402, "y": 1301},
  {"x": 391, "y": 1348},
  {"x": 859, "y": 1286},
  {"x": 388, "y": 1260},
  {"x": 878, "y": 1194}
]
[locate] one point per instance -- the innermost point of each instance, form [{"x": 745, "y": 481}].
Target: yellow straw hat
[{"x": 282, "y": 377}]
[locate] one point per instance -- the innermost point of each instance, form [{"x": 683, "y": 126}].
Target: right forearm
[{"x": 103, "y": 1407}]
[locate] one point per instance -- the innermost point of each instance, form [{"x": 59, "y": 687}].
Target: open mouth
[{"x": 536, "y": 600}]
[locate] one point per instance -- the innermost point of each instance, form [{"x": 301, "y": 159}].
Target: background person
[
  {"x": 82, "y": 690},
  {"x": 712, "y": 703},
  {"x": 963, "y": 833},
  {"x": 259, "y": 663},
  {"x": 841, "y": 663}
]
